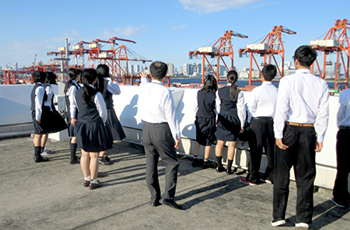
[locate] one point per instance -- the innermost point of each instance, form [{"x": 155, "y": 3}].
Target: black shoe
[
  {"x": 220, "y": 169},
  {"x": 74, "y": 161},
  {"x": 103, "y": 161},
  {"x": 95, "y": 185},
  {"x": 172, "y": 204},
  {"x": 40, "y": 159},
  {"x": 195, "y": 162},
  {"x": 229, "y": 171},
  {"x": 206, "y": 165},
  {"x": 155, "y": 203},
  {"x": 108, "y": 159}
]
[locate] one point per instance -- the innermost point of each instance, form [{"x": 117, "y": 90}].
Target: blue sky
[{"x": 163, "y": 29}]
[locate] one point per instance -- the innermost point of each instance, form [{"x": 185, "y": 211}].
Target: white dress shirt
[
  {"x": 262, "y": 102},
  {"x": 39, "y": 97},
  {"x": 302, "y": 98},
  {"x": 50, "y": 94},
  {"x": 113, "y": 87},
  {"x": 241, "y": 111},
  {"x": 343, "y": 116},
  {"x": 71, "y": 97},
  {"x": 157, "y": 105}
]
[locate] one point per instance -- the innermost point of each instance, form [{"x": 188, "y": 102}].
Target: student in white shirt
[
  {"x": 70, "y": 89},
  {"x": 262, "y": 106},
  {"x": 300, "y": 125},
  {"x": 161, "y": 134},
  {"x": 341, "y": 196}
]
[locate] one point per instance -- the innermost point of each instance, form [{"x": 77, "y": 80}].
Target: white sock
[
  {"x": 87, "y": 178},
  {"x": 95, "y": 181}
]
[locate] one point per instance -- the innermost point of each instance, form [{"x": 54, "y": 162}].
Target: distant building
[{"x": 171, "y": 68}]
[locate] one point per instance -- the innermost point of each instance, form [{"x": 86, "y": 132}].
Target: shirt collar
[
  {"x": 267, "y": 83},
  {"x": 304, "y": 71},
  {"x": 157, "y": 82}
]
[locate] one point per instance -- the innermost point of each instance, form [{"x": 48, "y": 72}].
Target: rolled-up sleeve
[{"x": 113, "y": 87}]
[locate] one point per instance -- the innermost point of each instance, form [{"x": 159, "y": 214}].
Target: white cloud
[
  {"x": 128, "y": 31},
  {"x": 207, "y": 6},
  {"x": 179, "y": 27}
]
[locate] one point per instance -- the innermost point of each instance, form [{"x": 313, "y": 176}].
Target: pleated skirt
[
  {"x": 205, "y": 130},
  {"x": 93, "y": 136},
  {"x": 114, "y": 125}
]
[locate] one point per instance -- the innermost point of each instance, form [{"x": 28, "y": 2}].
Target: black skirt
[
  {"x": 93, "y": 136},
  {"x": 37, "y": 126},
  {"x": 114, "y": 125},
  {"x": 52, "y": 121},
  {"x": 205, "y": 130},
  {"x": 228, "y": 127}
]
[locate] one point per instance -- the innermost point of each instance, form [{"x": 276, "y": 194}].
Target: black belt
[
  {"x": 266, "y": 118},
  {"x": 161, "y": 123},
  {"x": 344, "y": 127}
]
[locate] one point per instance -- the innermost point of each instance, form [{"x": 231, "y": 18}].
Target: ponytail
[
  {"x": 89, "y": 76},
  {"x": 72, "y": 74},
  {"x": 232, "y": 78}
]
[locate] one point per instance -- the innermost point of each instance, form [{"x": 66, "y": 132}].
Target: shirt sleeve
[
  {"x": 170, "y": 114},
  {"x": 39, "y": 97},
  {"x": 341, "y": 110},
  {"x": 252, "y": 104},
  {"x": 282, "y": 108},
  {"x": 196, "y": 104},
  {"x": 144, "y": 80},
  {"x": 113, "y": 87},
  {"x": 72, "y": 102},
  {"x": 217, "y": 104},
  {"x": 322, "y": 115},
  {"x": 101, "y": 106},
  {"x": 242, "y": 113}
]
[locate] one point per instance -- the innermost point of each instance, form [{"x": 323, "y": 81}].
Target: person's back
[
  {"x": 305, "y": 87},
  {"x": 206, "y": 103},
  {"x": 300, "y": 125}
]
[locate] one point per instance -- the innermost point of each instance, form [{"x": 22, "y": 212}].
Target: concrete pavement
[{"x": 50, "y": 195}]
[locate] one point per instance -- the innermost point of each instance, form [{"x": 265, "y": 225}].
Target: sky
[{"x": 164, "y": 30}]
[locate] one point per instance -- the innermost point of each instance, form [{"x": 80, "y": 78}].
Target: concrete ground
[{"x": 50, "y": 195}]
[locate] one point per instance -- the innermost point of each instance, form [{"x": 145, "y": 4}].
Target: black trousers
[
  {"x": 301, "y": 155},
  {"x": 340, "y": 191},
  {"x": 261, "y": 136},
  {"x": 158, "y": 142}
]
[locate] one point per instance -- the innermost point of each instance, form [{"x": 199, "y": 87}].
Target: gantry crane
[
  {"x": 335, "y": 41},
  {"x": 221, "y": 48},
  {"x": 112, "y": 56},
  {"x": 270, "y": 46}
]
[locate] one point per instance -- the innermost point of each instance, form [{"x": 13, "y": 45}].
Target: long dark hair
[
  {"x": 89, "y": 76},
  {"x": 72, "y": 74},
  {"x": 210, "y": 84},
  {"x": 232, "y": 77},
  {"x": 102, "y": 72}
]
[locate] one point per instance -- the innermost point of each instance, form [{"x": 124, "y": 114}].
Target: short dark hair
[
  {"x": 158, "y": 70},
  {"x": 269, "y": 71},
  {"x": 305, "y": 55},
  {"x": 39, "y": 76}
]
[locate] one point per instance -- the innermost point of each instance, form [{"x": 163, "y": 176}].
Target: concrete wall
[{"x": 15, "y": 109}]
